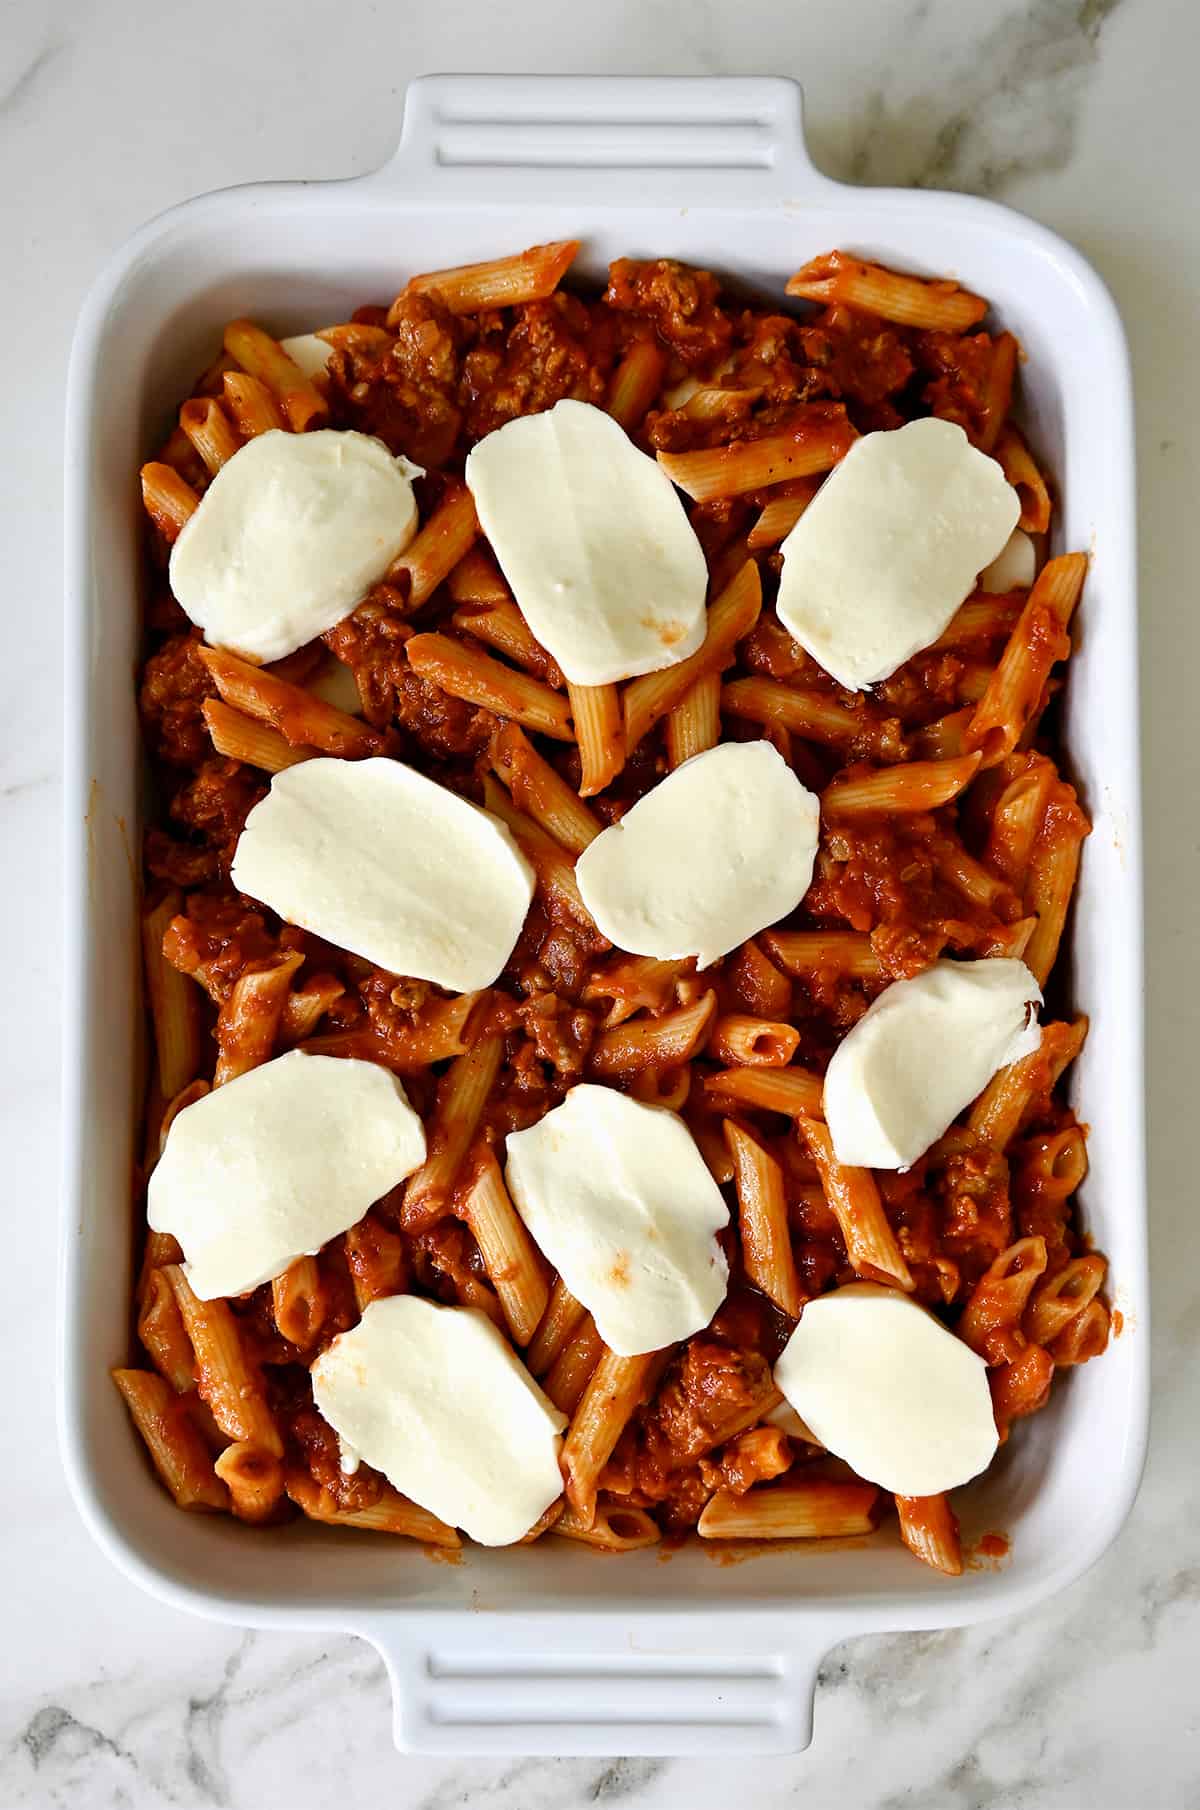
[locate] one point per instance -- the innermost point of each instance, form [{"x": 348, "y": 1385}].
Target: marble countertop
[{"x": 1082, "y": 112}]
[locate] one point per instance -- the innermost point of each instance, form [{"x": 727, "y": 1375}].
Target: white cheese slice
[
  {"x": 309, "y": 352},
  {"x": 436, "y": 1399},
  {"x": 274, "y": 1164},
  {"x": 885, "y": 1387},
  {"x": 890, "y": 546},
  {"x": 383, "y": 862},
  {"x": 1014, "y": 567},
  {"x": 721, "y": 847},
  {"x": 923, "y": 1051},
  {"x": 594, "y": 542},
  {"x": 289, "y": 537},
  {"x": 620, "y": 1200}
]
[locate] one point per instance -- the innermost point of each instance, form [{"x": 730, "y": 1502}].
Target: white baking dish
[{"x": 559, "y": 1649}]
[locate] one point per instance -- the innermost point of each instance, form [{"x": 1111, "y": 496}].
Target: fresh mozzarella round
[
  {"x": 594, "y": 541},
  {"x": 890, "y": 546},
  {"x": 273, "y": 1165},
  {"x": 620, "y": 1200},
  {"x": 436, "y": 1399},
  {"x": 718, "y": 850},
  {"x": 383, "y": 862},
  {"x": 289, "y": 537},
  {"x": 309, "y": 352},
  {"x": 1014, "y": 567},
  {"x": 887, "y": 1388},
  {"x": 922, "y": 1052}
]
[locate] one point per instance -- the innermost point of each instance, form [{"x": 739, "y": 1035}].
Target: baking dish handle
[
  {"x": 556, "y": 1686},
  {"x": 621, "y": 141}
]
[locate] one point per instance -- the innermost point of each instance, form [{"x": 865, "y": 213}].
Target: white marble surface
[{"x": 1084, "y": 113}]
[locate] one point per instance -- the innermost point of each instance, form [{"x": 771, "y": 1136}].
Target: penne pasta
[
  {"x": 854, "y": 1200},
  {"x": 800, "y": 1509},
  {"x": 510, "y": 1257},
  {"x": 763, "y": 1221},
  {"x": 555, "y": 869},
  {"x": 248, "y": 1022},
  {"x": 614, "y": 1527},
  {"x": 241, "y": 738},
  {"x": 261, "y": 356},
  {"x": 299, "y": 1302},
  {"x": 300, "y": 717},
  {"x": 542, "y": 793},
  {"x": 936, "y": 305},
  {"x": 1050, "y": 880},
  {"x": 571, "y": 1371},
  {"x": 694, "y": 724},
  {"x": 391, "y": 1513},
  {"x": 461, "y": 1094},
  {"x": 793, "y": 1091},
  {"x": 168, "y": 499},
  {"x": 502, "y": 626},
  {"x": 613, "y": 1392},
  {"x": 728, "y": 471},
  {"x": 176, "y": 1448},
  {"x": 600, "y": 734},
  {"x": 1039, "y": 639},
  {"x": 738, "y": 1039},
  {"x": 997, "y": 1114},
  {"x": 444, "y": 539},
  {"x": 929, "y": 1528},
  {"x": 991, "y": 1319},
  {"x": 919, "y": 785},
  {"x": 813, "y": 715},
  {"x": 377, "y": 1259},
  {"x": 174, "y": 1003},
  {"x": 558, "y": 1324},
  {"x": 210, "y": 431},
  {"x": 161, "y": 1330},
  {"x": 848, "y": 953},
  {"x": 1025, "y": 478},
  {"x": 227, "y": 1379},
  {"x": 778, "y": 517},
  {"x": 1062, "y": 1297},
  {"x": 254, "y": 1480},
  {"x": 732, "y": 616},
  {"x": 477, "y": 580},
  {"x": 250, "y": 405},
  {"x": 496, "y": 283},
  {"x": 665, "y": 1042},
  {"x": 636, "y": 383},
  {"x": 464, "y": 673}
]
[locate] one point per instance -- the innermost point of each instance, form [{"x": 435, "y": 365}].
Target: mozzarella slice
[
  {"x": 436, "y": 1399},
  {"x": 718, "y": 850},
  {"x": 289, "y": 537},
  {"x": 921, "y": 1053},
  {"x": 1014, "y": 567},
  {"x": 309, "y": 352},
  {"x": 385, "y": 863},
  {"x": 890, "y": 546},
  {"x": 885, "y": 1387},
  {"x": 594, "y": 542},
  {"x": 620, "y": 1200},
  {"x": 273, "y": 1165}
]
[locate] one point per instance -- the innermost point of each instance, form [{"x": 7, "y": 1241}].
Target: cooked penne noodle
[
  {"x": 478, "y": 580},
  {"x": 544, "y": 1523},
  {"x": 726, "y": 471},
  {"x": 168, "y": 499},
  {"x": 1055, "y": 1164},
  {"x": 980, "y": 619},
  {"x": 254, "y": 1480},
  {"x": 299, "y": 1302},
  {"x": 297, "y": 714},
  {"x": 834, "y": 952},
  {"x": 1063, "y": 1296},
  {"x": 1022, "y": 473},
  {"x": 178, "y": 452},
  {"x": 732, "y": 616},
  {"x": 174, "y": 1005},
  {"x": 510, "y": 1257},
  {"x": 555, "y": 1330},
  {"x": 248, "y": 1022},
  {"x": 502, "y": 626},
  {"x": 568, "y": 1376},
  {"x": 1084, "y": 1337},
  {"x": 929, "y": 1527},
  {"x": 738, "y": 1038},
  {"x": 998, "y": 1112},
  {"x": 555, "y": 869},
  {"x": 1039, "y": 639},
  {"x": 991, "y": 1319},
  {"x": 780, "y": 515},
  {"x": 377, "y": 1259},
  {"x": 944, "y": 738},
  {"x": 179, "y": 1454},
  {"x": 438, "y": 1031},
  {"x": 616, "y": 1387},
  {"x": 763, "y": 1221},
  {"x": 694, "y": 724},
  {"x": 614, "y": 1527},
  {"x": 160, "y": 1328},
  {"x": 600, "y": 734},
  {"x": 241, "y": 738},
  {"x": 855, "y": 1202},
  {"x": 634, "y": 983},
  {"x": 251, "y": 405},
  {"x": 461, "y": 1094},
  {"x": 794, "y": 1091},
  {"x": 936, "y": 304},
  {"x": 811, "y": 714},
  {"x": 527, "y": 276},
  {"x": 1050, "y": 881},
  {"x": 541, "y": 792},
  {"x": 968, "y": 876},
  {"x": 667, "y": 1087},
  {"x": 997, "y": 394},
  {"x": 636, "y": 383},
  {"x": 919, "y": 785},
  {"x": 757, "y": 983},
  {"x": 306, "y": 1005},
  {"x": 465, "y": 673},
  {"x": 1017, "y": 817},
  {"x": 800, "y": 1509},
  {"x": 227, "y": 1379},
  {"x": 356, "y": 336},
  {"x": 210, "y": 431},
  {"x": 449, "y": 533},
  {"x": 392, "y": 1513},
  {"x": 263, "y": 357},
  {"x": 663, "y": 1042}
]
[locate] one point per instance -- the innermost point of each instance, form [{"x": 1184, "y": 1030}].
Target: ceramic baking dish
[{"x": 559, "y": 1649}]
